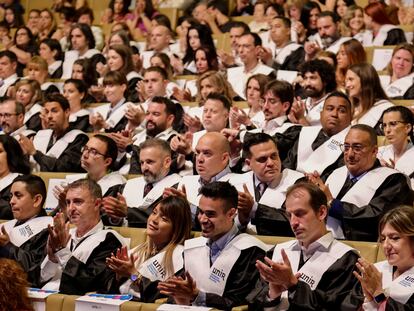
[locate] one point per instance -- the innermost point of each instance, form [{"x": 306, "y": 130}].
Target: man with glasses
[
  {"x": 360, "y": 192},
  {"x": 57, "y": 148},
  {"x": 317, "y": 150},
  {"x": 12, "y": 119},
  {"x": 250, "y": 48}
]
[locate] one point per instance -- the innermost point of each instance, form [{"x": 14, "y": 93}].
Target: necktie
[
  {"x": 148, "y": 187},
  {"x": 214, "y": 252},
  {"x": 261, "y": 188},
  {"x": 346, "y": 187}
]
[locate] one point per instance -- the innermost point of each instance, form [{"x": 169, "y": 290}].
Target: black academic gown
[
  {"x": 93, "y": 276},
  {"x": 291, "y": 160},
  {"x": 395, "y": 36},
  {"x": 292, "y": 61},
  {"x": 34, "y": 123},
  {"x": 69, "y": 160},
  {"x": 81, "y": 123},
  {"x": 120, "y": 126},
  {"x": 329, "y": 295},
  {"x": 30, "y": 254},
  {"x": 240, "y": 282},
  {"x": 360, "y": 223},
  {"x": 57, "y": 74}
]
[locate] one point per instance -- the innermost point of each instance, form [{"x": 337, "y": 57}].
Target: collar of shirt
[
  {"x": 164, "y": 135},
  {"x": 322, "y": 244},
  {"x": 222, "y": 242},
  {"x": 75, "y": 240},
  {"x": 217, "y": 177},
  {"x": 257, "y": 182},
  {"x": 357, "y": 177},
  {"x": 274, "y": 123},
  {"x": 119, "y": 104},
  {"x": 10, "y": 79},
  {"x": 253, "y": 71},
  {"x": 309, "y": 104}
]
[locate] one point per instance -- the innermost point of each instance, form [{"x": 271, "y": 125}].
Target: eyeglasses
[
  {"x": 391, "y": 124},
  {"x": 7, "y": 115},
  {"x": 358, "y": 148},
  {"x": 91, "y": 151}
]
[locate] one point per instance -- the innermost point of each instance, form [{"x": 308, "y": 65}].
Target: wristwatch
[{"x": 380, "y": 298}]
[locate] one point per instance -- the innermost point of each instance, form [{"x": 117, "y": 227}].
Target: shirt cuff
[
  {"x": 200, "y": 299},
  {"x": 63, "y": 256},
  {"x": 336, "y": 210}
]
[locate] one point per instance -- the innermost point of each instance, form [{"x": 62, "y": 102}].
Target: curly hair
[
  {"x": 13, "y": 287},
  {"x": 325, "y": 71}
]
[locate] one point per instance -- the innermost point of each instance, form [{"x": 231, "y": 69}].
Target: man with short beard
[
  {"x": 318, "y": 81},
  {"x": 328, "y": 37},
  {"x": 140, "y": 195}
]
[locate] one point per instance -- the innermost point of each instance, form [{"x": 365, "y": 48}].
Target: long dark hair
[
  {"x": 16, "y": 160},
  {"x": 206, "y": 39}
]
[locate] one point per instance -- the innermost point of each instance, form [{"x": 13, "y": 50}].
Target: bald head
[
  {"x": 212, "y": 155},
  {"x": 160, "y": 38}
]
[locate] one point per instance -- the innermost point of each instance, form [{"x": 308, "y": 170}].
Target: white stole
[
  {"x": 22, "y": 233},
  {"x": 80, "y": 113},
  {"x": 213, "y": 279},
  {"x": 399, "y": 289},
  {"x": 382, "y": 34},
  {"x": 36, "y": 108},
  {"x": 400, "y": 86},
  {"x": 323, "y": 156},
  {"x": 360, "y": 194},
  {"x": 7, "y": 180},
  {"x": 134, "y": 191},
  {"x": 42, "y": 138},
  {"x": 373, "y": 115},
  {"x": 314, "y": 268},
  {"x": 284, "y": 52},
  {"x": 154, "y": 270}
]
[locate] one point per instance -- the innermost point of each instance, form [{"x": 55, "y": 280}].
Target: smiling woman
[
  {"x": 388, "y": 285},
  {"x": 139, "y": 271}
]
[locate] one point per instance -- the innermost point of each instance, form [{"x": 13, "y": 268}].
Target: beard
[
  {"x": 328, "y": 40},
  {"x": 314, "y": 93}
]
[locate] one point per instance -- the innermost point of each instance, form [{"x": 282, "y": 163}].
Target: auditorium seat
[
  {"x": 136, "y": 235},
  {"x": 368, "y": 250},
  {"x": 55, "y": 302}
]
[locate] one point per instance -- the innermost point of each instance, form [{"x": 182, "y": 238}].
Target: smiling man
[
  {"x": 318, "y": 147},
  {"x": 360, "y": 192},
  {"x": 313, "y": 272},
  {"x": 75, "y": 262},
  {"x": 220, "y": 265},
  {"x": 24, "y": 238},
  {"x": 140, "y": 195},
  {"x": 57, "y": 148}
]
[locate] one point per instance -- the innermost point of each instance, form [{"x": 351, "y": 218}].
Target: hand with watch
[
  {"x": 123, "y": 264},
  {"x": 371, "y": 281}
]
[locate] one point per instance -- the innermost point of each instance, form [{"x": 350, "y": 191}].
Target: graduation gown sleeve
[
  {"x": 120, "y": 126},
  {"x": 5, "y": 209},
  {"x": 80, "y": 278},
  {"x": 292, "y": 157},
  {"x": 29, "y": 255},
  {"x": 272, "y": 221},
  {"x": 69, "y": 160},
  {"x": 360, "y": 223},
  {"x": 133, "y": 95},
  {"x": 292, "y": 61},
  {"x": 395, "y": 36},
  {"x": 240, "y": 283}
]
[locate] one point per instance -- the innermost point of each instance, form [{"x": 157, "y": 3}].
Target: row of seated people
[
  {"x": 74, "y": 254},
  {"x": 318, "y": 153}
]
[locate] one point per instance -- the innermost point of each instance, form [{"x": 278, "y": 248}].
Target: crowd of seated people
[{"x": 250, "y": 118}]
